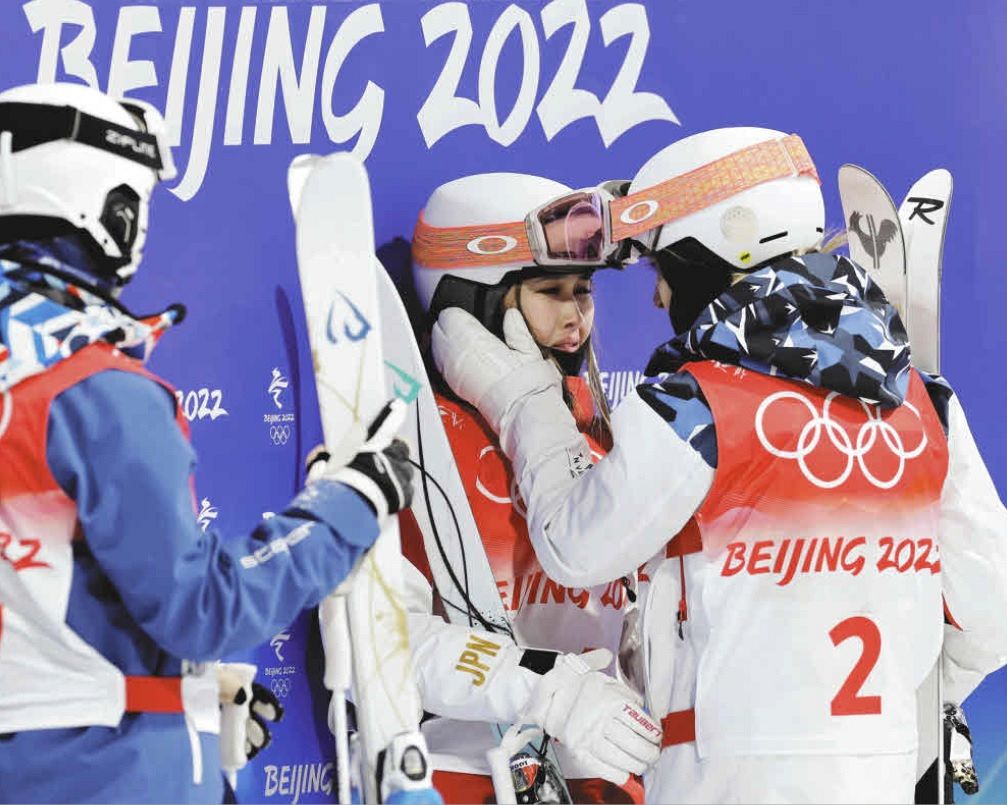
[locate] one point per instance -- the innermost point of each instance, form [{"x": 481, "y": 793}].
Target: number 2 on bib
[{"x": 848, "y": 701}]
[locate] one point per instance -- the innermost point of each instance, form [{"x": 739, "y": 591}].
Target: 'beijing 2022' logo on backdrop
[
  {"x": 853, "y": 450},
  {"x": 280, "y": 420}
]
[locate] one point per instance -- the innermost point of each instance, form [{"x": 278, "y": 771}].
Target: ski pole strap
[
  {"x": 154, "y": 694},
  {"x": 678, "y": 728}
]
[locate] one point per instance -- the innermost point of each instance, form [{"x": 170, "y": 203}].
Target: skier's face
[{"x": 559, "y": 310}]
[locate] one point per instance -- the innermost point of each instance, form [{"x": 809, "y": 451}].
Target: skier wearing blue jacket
[{"x": 113, "y": 602}]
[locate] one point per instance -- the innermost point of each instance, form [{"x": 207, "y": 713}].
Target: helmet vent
[
  {"x": 739, "y": 224},
  {"x": 121, "y": 217}
]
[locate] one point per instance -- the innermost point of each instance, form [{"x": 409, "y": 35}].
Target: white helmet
[
  {"x": 746, "y": 194},
  {"x": 73, "y": 159},
  {"x": 473, "y": 228}
]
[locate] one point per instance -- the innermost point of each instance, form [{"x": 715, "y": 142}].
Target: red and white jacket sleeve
[
  {"x": 644, "y": 490},
  {"x": 464, "y": 673},
  {"x": 973, "y": 539}
]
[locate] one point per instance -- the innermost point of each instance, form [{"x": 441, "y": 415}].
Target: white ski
[
  {"x": 365, "y": 620},
  {"x": 453, "y": 545},
  {"x": 875, "y": 236},
  {"x": 458, "y": 561},
  {"x": 924, "y": 217},
  {"x": 912, "y": 248}
]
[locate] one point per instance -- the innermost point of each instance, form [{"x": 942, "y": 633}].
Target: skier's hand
[
  {"x": 373, "y": 463},
  {"x": 257, "y": 706},
  {"x": 598, "y": 719},
  {"x": 958, "y": 749},
  {"x": 485, "y": 371},
  {"x": 265, "y": 709}
]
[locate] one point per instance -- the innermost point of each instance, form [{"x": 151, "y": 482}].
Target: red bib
[
  {"x": 544, "y": 613},
  {"x": 815, "y": 606}
]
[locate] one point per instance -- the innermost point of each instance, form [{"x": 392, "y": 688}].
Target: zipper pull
[
  {"x": 683, "y": 607},
  {"x": 683, "y": 616}
]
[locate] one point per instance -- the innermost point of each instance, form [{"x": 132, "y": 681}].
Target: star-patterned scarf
[
  {"x": 45, "y": 318},
  {"x": 818, "y": 319}
]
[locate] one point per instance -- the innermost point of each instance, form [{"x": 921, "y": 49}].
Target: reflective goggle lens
[{"x": 574, "y": 228}]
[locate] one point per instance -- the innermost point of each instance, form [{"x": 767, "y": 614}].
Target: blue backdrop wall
[{"x": 579, "y": 90}]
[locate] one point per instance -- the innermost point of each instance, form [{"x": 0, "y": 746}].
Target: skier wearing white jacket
[
  {"x": 804, "y": 496},
  {"x": 470, "y": 676}
]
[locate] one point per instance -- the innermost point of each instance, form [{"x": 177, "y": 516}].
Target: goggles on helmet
[
  {"x": 568, "y": 232},
  {"x": 599, "y": 226},
  {"x": 33, "y": 124},
  {"x": 638, "y": 217},
  {"x": 575, "y": 229}
]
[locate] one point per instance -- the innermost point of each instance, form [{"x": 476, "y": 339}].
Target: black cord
[{"x": 471, "y": 610}]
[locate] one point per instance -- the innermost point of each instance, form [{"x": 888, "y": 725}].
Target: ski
[
  {"x": 363, "y": 623},
  {"x": 924, "y": 217},
  {"x": 458, "y": 562},
  {"x": 907, "y": 256},
  {"x": 875, "y": 235}
]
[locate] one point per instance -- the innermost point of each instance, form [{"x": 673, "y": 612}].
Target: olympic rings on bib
[{"x": 853, "y": 449}]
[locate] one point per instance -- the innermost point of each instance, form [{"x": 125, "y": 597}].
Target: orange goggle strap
[
  {"x": 470, "y": 246},
  {"x": 499, "y": 244},
  {"x": 710, "y": 184}
]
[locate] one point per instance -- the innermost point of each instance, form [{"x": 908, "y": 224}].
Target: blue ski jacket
[{"x": 149, "y": 589}]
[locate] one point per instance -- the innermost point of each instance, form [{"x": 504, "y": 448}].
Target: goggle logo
[
  {"x": 854, "y": 450},
  {"x": 640, "y": 211},
  {"x": 492, "y": 244}
]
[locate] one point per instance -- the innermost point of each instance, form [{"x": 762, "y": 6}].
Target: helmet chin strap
[
  {"x": 570, "y": 363},
  {"x": 28, "y": 239},
  {"x": 33, "y": 272}
]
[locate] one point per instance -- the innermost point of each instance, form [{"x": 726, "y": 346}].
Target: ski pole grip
[{"x": 387, "y": 423}]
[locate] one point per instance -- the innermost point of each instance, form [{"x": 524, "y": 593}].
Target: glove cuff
[{"x": 364, "y": 486}]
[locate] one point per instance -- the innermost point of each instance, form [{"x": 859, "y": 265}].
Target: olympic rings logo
[
  {"x": 280, "y": 434},
  {"x": 281, "y": 686},
  {"x": 854, "y": 450}
]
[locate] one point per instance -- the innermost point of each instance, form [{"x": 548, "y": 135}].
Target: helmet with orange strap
[
  {"x": 718, "y": 203},
  {"x": 474, "y": 239}
]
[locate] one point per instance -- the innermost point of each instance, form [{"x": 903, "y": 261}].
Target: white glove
[
  {"x": 521, "y": 395},
  {"x": 485, "y": 371},
  {"x": 598, "y": 720}
]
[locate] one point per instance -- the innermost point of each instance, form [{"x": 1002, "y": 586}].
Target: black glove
[{"x": 380, "y": 472}]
